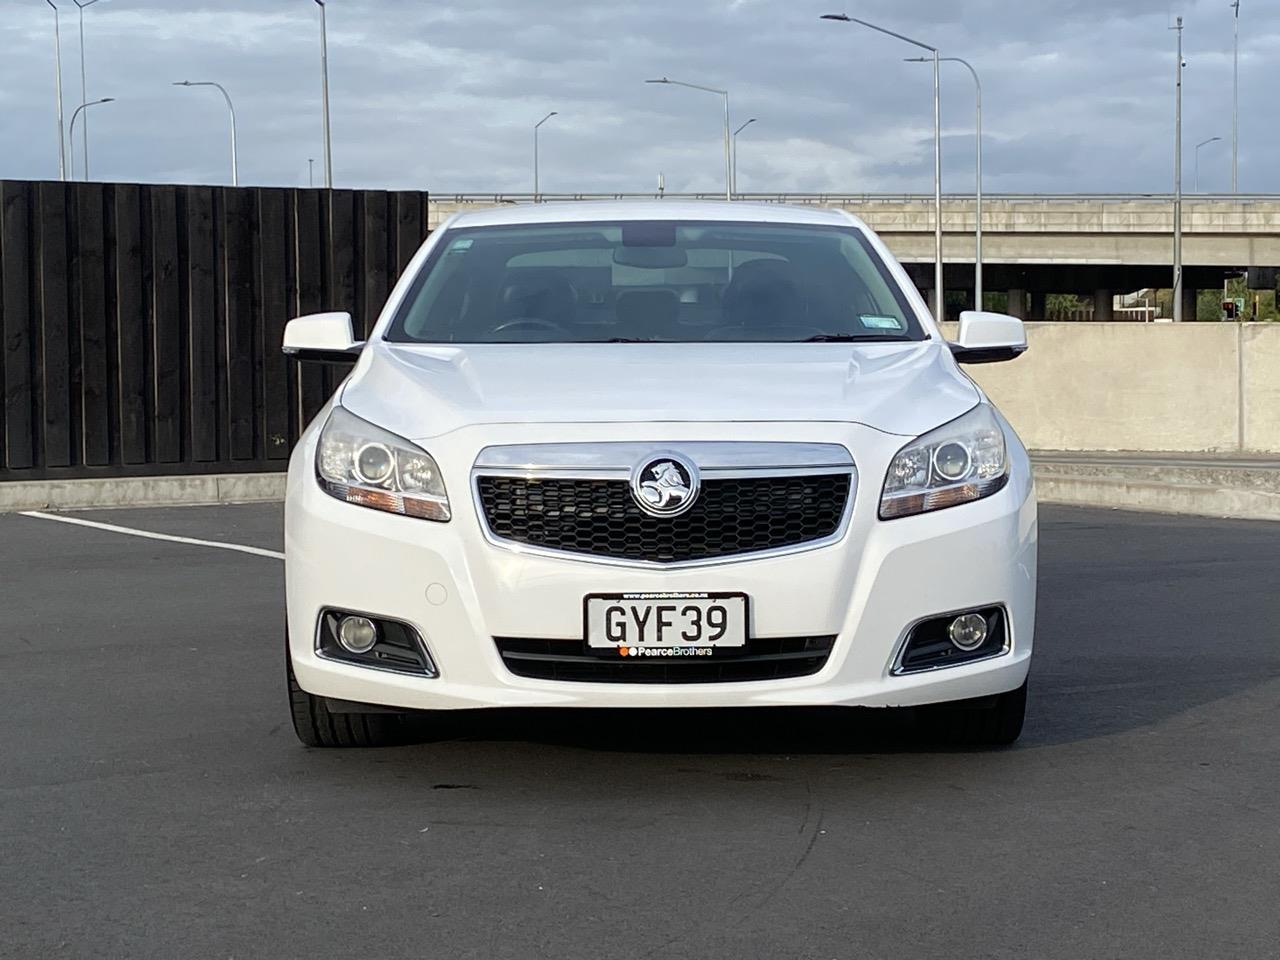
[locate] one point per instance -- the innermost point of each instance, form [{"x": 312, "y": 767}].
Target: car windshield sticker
[
  {"x": 461, "y": 246},
  {"x": 874, "y": 322}
]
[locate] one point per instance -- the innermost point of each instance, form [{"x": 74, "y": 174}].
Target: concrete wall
[
  {"x": 1115, "y": 231},
  {"x": 1100, "y": 386},
  {"x": 1131, "y": 232}
]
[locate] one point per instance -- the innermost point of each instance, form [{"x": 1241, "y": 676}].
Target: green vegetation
[
  {"x": 1209, "y": 302},
  {"x": 1063, "y": 306}
]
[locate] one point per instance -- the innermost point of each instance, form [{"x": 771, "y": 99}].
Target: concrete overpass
[{"x": 1034, "y": 245}]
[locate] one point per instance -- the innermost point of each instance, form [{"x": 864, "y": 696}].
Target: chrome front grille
[{"x": 577, "y": 500}]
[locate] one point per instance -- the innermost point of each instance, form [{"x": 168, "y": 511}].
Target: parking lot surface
[{"x": 154, "y": 801}]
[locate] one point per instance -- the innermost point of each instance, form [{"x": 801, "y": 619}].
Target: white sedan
[{"x": 657, "y": 454}]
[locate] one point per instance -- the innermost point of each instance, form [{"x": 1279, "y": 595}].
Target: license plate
[{"x": 663, "y": 624}]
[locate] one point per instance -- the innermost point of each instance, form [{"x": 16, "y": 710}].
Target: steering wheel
[{"x": 532, "y": 324}]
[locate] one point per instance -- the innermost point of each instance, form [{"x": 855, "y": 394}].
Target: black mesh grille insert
[
  {"x": 771, "y": 659},
  {"x": 600, "y": 518}
]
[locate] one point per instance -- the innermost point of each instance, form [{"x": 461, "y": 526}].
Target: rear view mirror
[
  {"x": 989, "y": 338},
  {"x": 323, "y": 338},
  {"x": 650, "y": 258}
]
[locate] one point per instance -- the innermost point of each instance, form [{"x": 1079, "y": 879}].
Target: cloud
[{"x": 443, "y": 95}]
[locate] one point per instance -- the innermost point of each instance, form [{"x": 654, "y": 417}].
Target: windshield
[{"x": 654, "y": 281}]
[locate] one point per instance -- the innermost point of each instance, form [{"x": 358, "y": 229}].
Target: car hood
[{"x": 421, "y": 392}]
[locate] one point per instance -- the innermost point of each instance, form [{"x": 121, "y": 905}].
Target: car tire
[
  {"x": 317, "y": 726},
  {"x": 989, "y": 722}
]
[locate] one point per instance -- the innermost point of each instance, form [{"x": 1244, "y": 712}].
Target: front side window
[{"x": 654, "y": 282}]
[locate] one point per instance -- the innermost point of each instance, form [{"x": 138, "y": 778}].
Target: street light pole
[
  {"x": 977, "y": 82},
  {"x": 1177, "y": 187},
  {"x": 734, "y": 178},
  {"x": 728, "y": 154},
  {"x": 1235, "y": 105},
  {"x": 235, "y": 171},
  {"x": 72, "y": 133},
  {"x": 728, "y": 151},
  {"x": 57, "y": 62},
  {"x": 553, "y": 113},
  {"x": 939, "y": 306},
  {"x": 1202, "y": 143},
  {"x": 324, "y": 80},
  {"x": 311, "y": 171},
  {"x": 84, "y": 85}
]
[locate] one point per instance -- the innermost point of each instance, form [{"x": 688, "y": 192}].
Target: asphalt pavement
[{"x": 154, "y": 801}]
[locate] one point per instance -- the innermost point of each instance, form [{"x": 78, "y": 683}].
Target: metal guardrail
[{"x": 856, "y": 198}]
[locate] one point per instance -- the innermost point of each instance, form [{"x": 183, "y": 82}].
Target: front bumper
[{"x": 461, "y": 591}]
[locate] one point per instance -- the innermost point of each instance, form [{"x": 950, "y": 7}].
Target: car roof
[{"x": 588, "y": 211}]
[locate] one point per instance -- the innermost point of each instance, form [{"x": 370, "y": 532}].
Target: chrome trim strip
[
  {"x": 563, "y": 473},
  {"x": 603, "y": 473},
  {"x": 900, "y": 649},
  {"x": 601, "y": 461},
  {"x": 709, "y": 455}
]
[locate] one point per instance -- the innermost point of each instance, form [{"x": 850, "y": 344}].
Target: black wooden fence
[{"x": 142, "y": 324}]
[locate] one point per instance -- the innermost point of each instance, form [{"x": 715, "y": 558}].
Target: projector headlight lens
[
  {"x": 374, "y": 464},
  {"x": 961, "y": 461},
  {"x": 951, "y": 461}
]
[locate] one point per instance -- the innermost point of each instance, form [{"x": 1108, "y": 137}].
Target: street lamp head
[
  {"x": 691, "y": 86},
  {"x": 845, "y": 18},
  {"x": 106, "y": 100}
]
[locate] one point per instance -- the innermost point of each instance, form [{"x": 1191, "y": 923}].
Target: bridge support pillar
[
  {"x": 933, "y": 302},
  {"x": 1190, "y": 300},
  {"x": 1018, "y": 303},
  {"x": 1103, "y": 306},
  {"x": 1039, "y": 305}
]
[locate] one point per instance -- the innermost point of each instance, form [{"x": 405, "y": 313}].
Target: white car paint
[
  {"x": 903, "y": 389},
  {"x": 460, "y": 590}
]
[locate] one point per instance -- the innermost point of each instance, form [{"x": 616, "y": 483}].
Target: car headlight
[
  {"x": 959, "y": 462},
  {"x": 363, "y": 464}
]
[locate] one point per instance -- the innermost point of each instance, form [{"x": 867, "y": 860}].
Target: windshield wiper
[
  {"x": 626, "y": 340},
  {"x": 855, "y": 338}
]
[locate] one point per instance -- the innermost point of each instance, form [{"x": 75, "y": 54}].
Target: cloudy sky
[{"x": 443, "y": 94}]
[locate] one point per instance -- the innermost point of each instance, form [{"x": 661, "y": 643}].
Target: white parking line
[{"x": 147, "y": 534}]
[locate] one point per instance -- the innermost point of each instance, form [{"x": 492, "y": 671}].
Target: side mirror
[
  {"x": 323, "y": 338},
  {"x": 989, "y": 338}
]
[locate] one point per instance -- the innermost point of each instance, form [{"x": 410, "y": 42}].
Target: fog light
[
  {"x": 358, "y": 634},
  {"x": 968, "y": 632}
]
